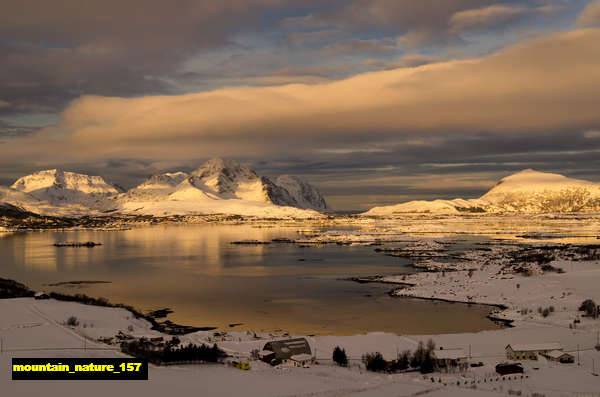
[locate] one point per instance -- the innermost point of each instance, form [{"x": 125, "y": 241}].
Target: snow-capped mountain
[
  {"x": 221, "y": 186},
  {"x": 158, "y": 186},
  {"x": 217, "y": 187},
  {"x": 62, "y": 193},
  {"x": 527, "y": 191},
  {"x": 305, "y": 195}
]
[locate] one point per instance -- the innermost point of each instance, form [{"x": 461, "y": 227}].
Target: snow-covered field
[{"x": 31, "y": 328}]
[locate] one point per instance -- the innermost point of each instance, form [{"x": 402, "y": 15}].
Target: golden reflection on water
[{"x": 209, "y": 282}]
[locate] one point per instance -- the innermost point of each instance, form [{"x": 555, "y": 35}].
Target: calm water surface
[{"x": 209, "y": 282}]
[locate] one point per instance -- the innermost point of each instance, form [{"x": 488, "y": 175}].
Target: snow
[
  {"x": 231, "y": 206},
  {"x": 31, "y": 328},
  {"x": 223, "y": 187},
  {"x": 536, "y": 346},
  {"x": 43, "y": 183},
  {"x": 217, "y": 187},
  {"x": 527, "y": 191}
]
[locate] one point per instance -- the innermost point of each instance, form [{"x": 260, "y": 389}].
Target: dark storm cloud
[{"x": 54, "y": 51}]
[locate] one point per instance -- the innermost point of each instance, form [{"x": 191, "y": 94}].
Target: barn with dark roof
[{"x": 285, "y": 349}]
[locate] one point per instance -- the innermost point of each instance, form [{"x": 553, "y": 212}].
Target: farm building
[
  {"x": 266, "y": 355},
  {"x": 509, "y": 368},
  {"x": 530, "y": 351},
  {"x": 284, "y": 349},
  {"x": 450, "y": 358},
  {"x": 559, "y": 357},
  {"x": 300, "y": 360}
]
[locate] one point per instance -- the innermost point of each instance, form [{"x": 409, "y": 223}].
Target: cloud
[
  {"x": 590, "y": 17},
  {"x": 536, "y": 87},
  {"x": 311, "y": 38},
  {"x": 359, "y": 46},
  {"x": 485, "y": 18},
  {"x": 405, "y": 61},
  {"x": 52, "y": 52}
]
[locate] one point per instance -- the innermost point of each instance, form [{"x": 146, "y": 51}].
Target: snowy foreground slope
[
  {"x": 31, "y": 328},
  {"x": 528, "y": 191},
  {"x": 217, "y": 187}
]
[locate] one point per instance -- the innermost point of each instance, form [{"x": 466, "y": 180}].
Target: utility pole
[
  {"x": 578, "y": 357},
  {"x": 469, "y": 351}
]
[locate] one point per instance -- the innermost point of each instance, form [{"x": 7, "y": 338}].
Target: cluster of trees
[
  {"x": 339, "y": 357},
  {"x": 421, "y": 359},
  {"x": 590, "y": 308},
  {"x": 545, "y": 312},
  {"x": 168, "y": 353}
]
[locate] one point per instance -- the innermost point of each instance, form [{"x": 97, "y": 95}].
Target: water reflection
[{"x": 209, "y": 282}]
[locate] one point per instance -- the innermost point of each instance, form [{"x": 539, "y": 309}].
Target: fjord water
[{"x": 207, "y": 281}]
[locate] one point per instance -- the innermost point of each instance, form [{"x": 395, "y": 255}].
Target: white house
[
  {"x": 300, "y": 360},
  {"x": 449, "y": 358},
  {"x": 530, "y": 351}
]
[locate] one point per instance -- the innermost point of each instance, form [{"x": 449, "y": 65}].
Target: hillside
[{"x": 527, "y": 191}]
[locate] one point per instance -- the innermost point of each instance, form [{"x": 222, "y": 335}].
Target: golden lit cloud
[{"x": 548, "y": 84}]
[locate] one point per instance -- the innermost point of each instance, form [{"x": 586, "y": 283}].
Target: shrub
[
  {"x": 72, "y": 321},
  {"x": 374, "y": 362},
  {"x": 545, "y": 312},
  {"x": 339, "y": 356},
  {"x": 589, "y": 307}
]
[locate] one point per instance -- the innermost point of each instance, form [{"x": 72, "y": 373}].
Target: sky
[{"x": 375, "y": 102}]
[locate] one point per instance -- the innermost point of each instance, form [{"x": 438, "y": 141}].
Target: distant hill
[{"x": 527, "y": 191}]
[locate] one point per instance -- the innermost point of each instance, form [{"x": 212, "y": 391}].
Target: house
[
  {"x": 509, "y": 368},
  {"x": 450, "y": 358},
  {"x": 300, "y": 360},
  {"x": 266, "y": 355},
  {"x": 283, "y": 350},
  {"x": 559, "y": 357},
  {"x": 530, "y": 351}
]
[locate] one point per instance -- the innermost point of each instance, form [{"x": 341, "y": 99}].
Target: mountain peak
[
  {"x": 58, "y": 179},
  {"x": 229, "y": 168},
  {"x": 530, "y": 180}
]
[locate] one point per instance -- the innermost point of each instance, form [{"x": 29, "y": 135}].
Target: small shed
[
  {"x": 530, "y": 351},
  {"x": 559, "y": 357}
]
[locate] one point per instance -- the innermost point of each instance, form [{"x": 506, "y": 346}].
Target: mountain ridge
[{"x": 217, "y": 186}]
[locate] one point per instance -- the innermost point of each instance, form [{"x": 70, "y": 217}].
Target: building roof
[
  {"x": 287, "y": 348},
  {"x": 535, "y": 347},
  {"x": 556, "y": 354},
  {"x": 301, "y": 357},
  {"x": 449, "y": 354}
]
